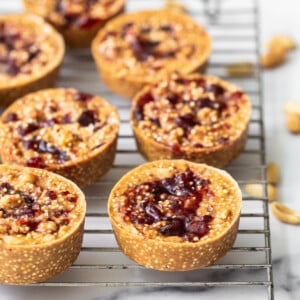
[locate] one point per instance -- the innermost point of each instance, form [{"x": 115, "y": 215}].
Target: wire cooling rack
[{"x": 234, "y": 27}]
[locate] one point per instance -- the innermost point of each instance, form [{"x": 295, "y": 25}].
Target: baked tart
[
  {"x": 77, "y": 20},
  {"x": 61, "y": 130},
  {"x": 134, "y": 49},
  {"x": 195, "y": 117},
  {"x": 175, "y": 215},
  {"x": 41, "y": 224},
  {"x": 31, "y": 53}
]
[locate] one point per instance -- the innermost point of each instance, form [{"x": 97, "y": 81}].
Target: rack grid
[{"x": 234, "y": 27}]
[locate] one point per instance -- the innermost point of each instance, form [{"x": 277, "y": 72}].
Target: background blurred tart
[
  {"x": 175, "y": 215},
  {"x": 62, "y": 130},
  {"x": 41, "y": 224},
  {"x": 77, "y": 20},
  {"x": 194, "y": 117},
  {"x": 134, "y": 48},
  {"x": 31, "y": 53}
]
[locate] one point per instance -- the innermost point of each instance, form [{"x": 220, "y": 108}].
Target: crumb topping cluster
[
  {"x": 81, "y": 13},
  {"x": 59, "y": 126},
  {"x": 24, "y": 49},
  {"x": 185, "y": 206},
  {"x": 36, "y": 208},
  {"x": 148, "y": 45},
  {"x": 191, "y": 112}
]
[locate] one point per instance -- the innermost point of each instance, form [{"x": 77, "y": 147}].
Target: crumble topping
[
  {"x": 185, "y": 206},
  {"x": 145, "y": 44},
  {"x": 81, "y": 13},
  {"x": 35, "y": 207},
  {"x": 191, "y": 112},
  {"x": 58, "y": 126},
  {"x": 24, "y": 48}
]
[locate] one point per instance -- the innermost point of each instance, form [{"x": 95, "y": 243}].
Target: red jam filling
[
  {"x": 173, "y": 202},
  {"x": 30, "y": 212},
  {"x": 82, "y": 20},
  {"x": 219, "y": 103},
  {"x": 11, "y": 41},
  {"x": 87, "y": 117},
  {"x": 141, "y": 43}
]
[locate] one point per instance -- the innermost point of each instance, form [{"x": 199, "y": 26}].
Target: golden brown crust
[
  {"x": 26, "y": 260},
  {"x": 74, "y": 35},
  {"x": 161, "y": 143},
  {"x": 174, "y": 42},
  {"x": 168, "y": 253},
  {"x": 218, "y": 158},
  {"x": 44, "y": 75},
  {"x": 82, "y": 152}
]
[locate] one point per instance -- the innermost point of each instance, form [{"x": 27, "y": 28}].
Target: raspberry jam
[
  {"x": 80, "y": 19},
  {"x": 142, "y": 43},
  {"x": 10, "y": 42},
  {"x": 171, "y": 204},
  {"x": 45, "y": 149},
  {"x": 30, "y": 211},
  {"x": 188, "y": 112}
]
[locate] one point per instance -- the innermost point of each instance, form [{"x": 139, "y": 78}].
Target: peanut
[
  {"x": 273, "y": 58},
  {"x": 272, "y": 173},
  {"x": 49, "y": 227},
  {"x": 257, "y": 190},
  {"x": 175, "y": 6},
  {"x": 240, "y": 69},
  {"x": 292, "y": 111},
  {"x": 285, "y": 214},
  {"x": 278, "y": 47},
  {"x": 28, "y": 178},
  {"x": 283, "y": 41}
]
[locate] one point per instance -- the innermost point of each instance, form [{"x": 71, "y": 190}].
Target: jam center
[
  {"x": 191, "y": 105},
  {"x": 172, "y": 205},
  {"x": 29, "y": 212},
  {"x": 11, "y": 40}
]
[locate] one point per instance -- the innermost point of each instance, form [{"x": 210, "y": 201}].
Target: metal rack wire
[{"x": 234, "y": 28}]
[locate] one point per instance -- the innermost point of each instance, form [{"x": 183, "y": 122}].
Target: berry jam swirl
[
  {"x": 22, "y": 50},
  {"x": 171, "y": 206},
  {"x": 35, "y": 206},
  {"x": 146, "y": 42},
  {"x": 152, "y": 42},
  {"x": 58, "y": 127},
  {"x": 84, "y": 14},
  {"x": 196, "y": 111}
]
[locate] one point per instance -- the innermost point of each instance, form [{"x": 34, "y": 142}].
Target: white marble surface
[{"x": 280, "y": 85}]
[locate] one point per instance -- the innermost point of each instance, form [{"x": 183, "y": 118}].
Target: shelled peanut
[
  {"x": 292, "y": 113},
  {"x": 285, "y": 214},
  {"x": 277, "y": 50},
  {"x": 257, "y": 189},
  {"x": 279, "y": 210},
  {"x": 240, "y": 69},
  {"x": 175, "y": 6}
]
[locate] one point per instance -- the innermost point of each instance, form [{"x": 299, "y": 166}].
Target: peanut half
[
  {"x": 175, "y": 6},
  {"x": 257, "y": 190},
  {"x": 292, "y": 112},
  {"x": 272, "y": 173},
  {"x": 273, "y": 58},
  {"x": 285, "y": 42},
  {"x": 278, "y": 48},
  {"x": 285, "y": 214},
  {"x": 240, "y": 69}
]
